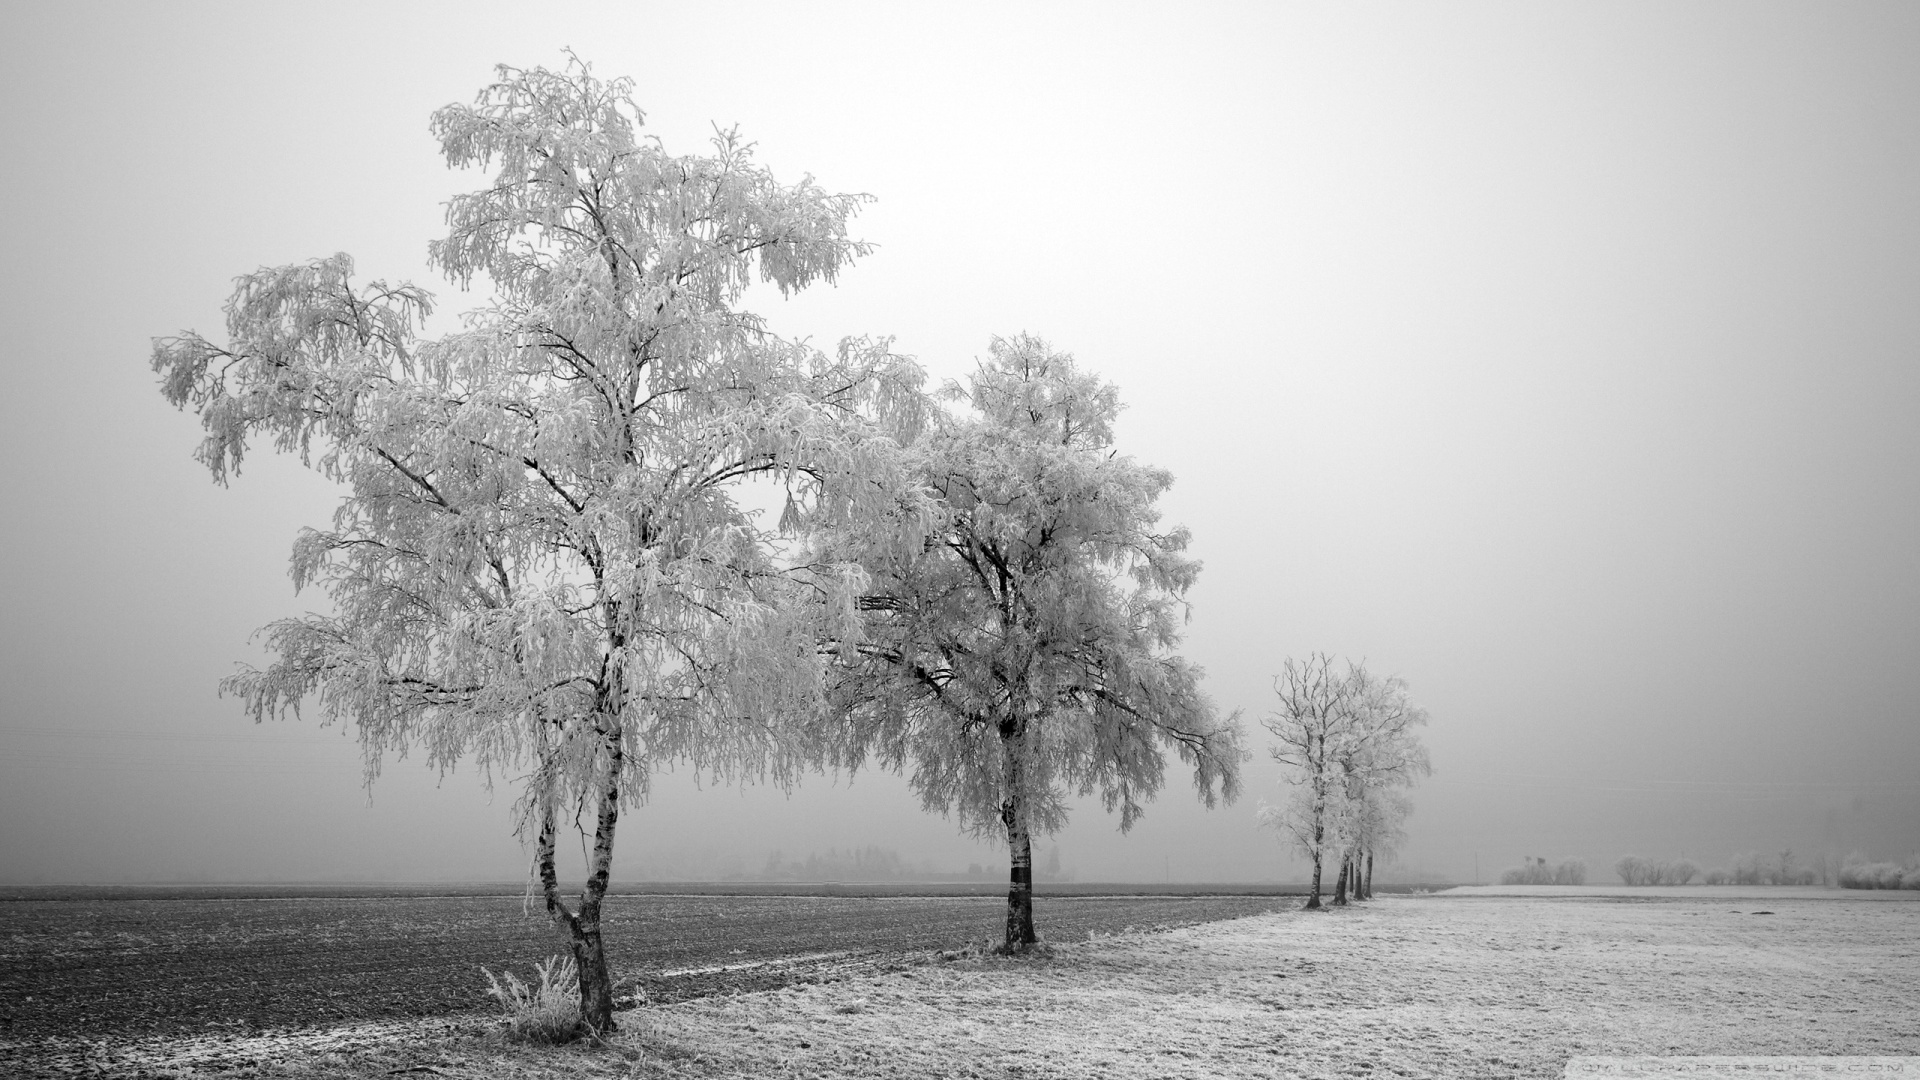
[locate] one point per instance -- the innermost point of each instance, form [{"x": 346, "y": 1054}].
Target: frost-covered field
[{"x": 1442, "y": 986}]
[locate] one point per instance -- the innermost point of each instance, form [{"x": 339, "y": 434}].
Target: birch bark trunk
[
  {"x": 1313, "y": 898},
  {"x": 1020, "y": 933},
  {"x": 583, "y": 926}
]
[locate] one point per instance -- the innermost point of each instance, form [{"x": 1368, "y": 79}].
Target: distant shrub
[
  {"x": 1537, "y": 872},
  {"x": 1637, "y": 871},
  {"x": 548, "y": 1013},
  {"x": 1718, "y": 877},
  {"x": 1878, "y": 876}
]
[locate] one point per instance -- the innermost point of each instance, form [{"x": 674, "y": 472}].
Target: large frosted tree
[
  {"x": 543, "y": 563},
  {"x": 1024, "y": 652}
]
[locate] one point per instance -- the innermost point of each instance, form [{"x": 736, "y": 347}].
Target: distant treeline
[
  {"x": 868, "y": 863},
  {"x": 1536, "y": 871},
  {"x": 1853, "y": 872},
  {"x": 874, "y": 863},
  {"x": 1635, "y": 870}
]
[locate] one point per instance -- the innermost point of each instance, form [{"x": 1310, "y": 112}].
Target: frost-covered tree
[
  {"x": 1024, "y": 652},
  {"x": 1376, "y": 827},
  {"x": 1308, "y": 723},
  {"x": 1348, "y": 741},
  {"x": 1380, "y": 755},
  {"x": 543, "y": 564}
]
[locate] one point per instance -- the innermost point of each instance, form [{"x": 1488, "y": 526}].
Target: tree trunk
[
  {"x": 1369, "y": 873},
  {"x": 1013, "y": 814},
  {"x": 589, "y": 955},
  {"x": 1313, "y": 898},
  {"x": 1340, "y": 886},
  {"x": 583, "y": 926}
]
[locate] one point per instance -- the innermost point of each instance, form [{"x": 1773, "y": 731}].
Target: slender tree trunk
[
  {"x": 1369, "y": 873},
  {"x": 1013, "y": 815},
  {"x": 583, "y": 926},
  {"x": 1319, "y": 837},
  {"x": 589, "y": 954},
  {"x": 1340, "y": 886}
]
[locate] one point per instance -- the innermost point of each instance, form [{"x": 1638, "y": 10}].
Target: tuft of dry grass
[{"x": 547, "y": 1013}]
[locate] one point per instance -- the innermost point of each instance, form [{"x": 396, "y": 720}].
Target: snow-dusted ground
[
  {"x": 1686, "y": 892},
  {"x": 1437, "y": 986}
]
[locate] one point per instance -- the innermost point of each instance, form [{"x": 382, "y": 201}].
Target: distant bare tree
[
  {"x": 1308, "y": 724},
  {"x": 1381, "y": 755},
  {"x": 1349, "y": 742}
]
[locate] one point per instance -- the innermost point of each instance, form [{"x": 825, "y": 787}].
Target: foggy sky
[{"x": 1562, "y": 360}]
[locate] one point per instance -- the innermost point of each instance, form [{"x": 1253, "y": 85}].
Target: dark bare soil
[{"x": 94, "y": 967}]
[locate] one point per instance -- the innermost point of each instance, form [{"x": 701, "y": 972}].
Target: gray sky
[{"x": 1561, "y": 359}]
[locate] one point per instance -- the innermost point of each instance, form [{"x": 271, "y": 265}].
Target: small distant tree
[
  {"x": 1349, "y": 741},
  {"x": 1025, "y": 652},
  {"x": 1381, "y": 753},
  {"x": 1377, "y": 828},
  {"x": 1309, "y": 724},
  {"x": 541, "y": 563}
]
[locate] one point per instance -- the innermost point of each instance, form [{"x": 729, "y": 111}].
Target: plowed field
[{"x": 126, "y": 967}]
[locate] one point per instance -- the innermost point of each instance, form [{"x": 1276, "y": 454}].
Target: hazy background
[{"x": 1560, "y": 359}]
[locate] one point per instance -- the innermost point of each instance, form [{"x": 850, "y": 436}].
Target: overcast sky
[{"x": 1561, "y": 359}]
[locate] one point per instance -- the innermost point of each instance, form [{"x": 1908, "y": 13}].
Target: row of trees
[
  {"x": 1535, "y": 870},
  {"x": 1634, "y": 870},
  {"x": 546, "y": 564},
  {"x": 1349, "y": 743}
]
